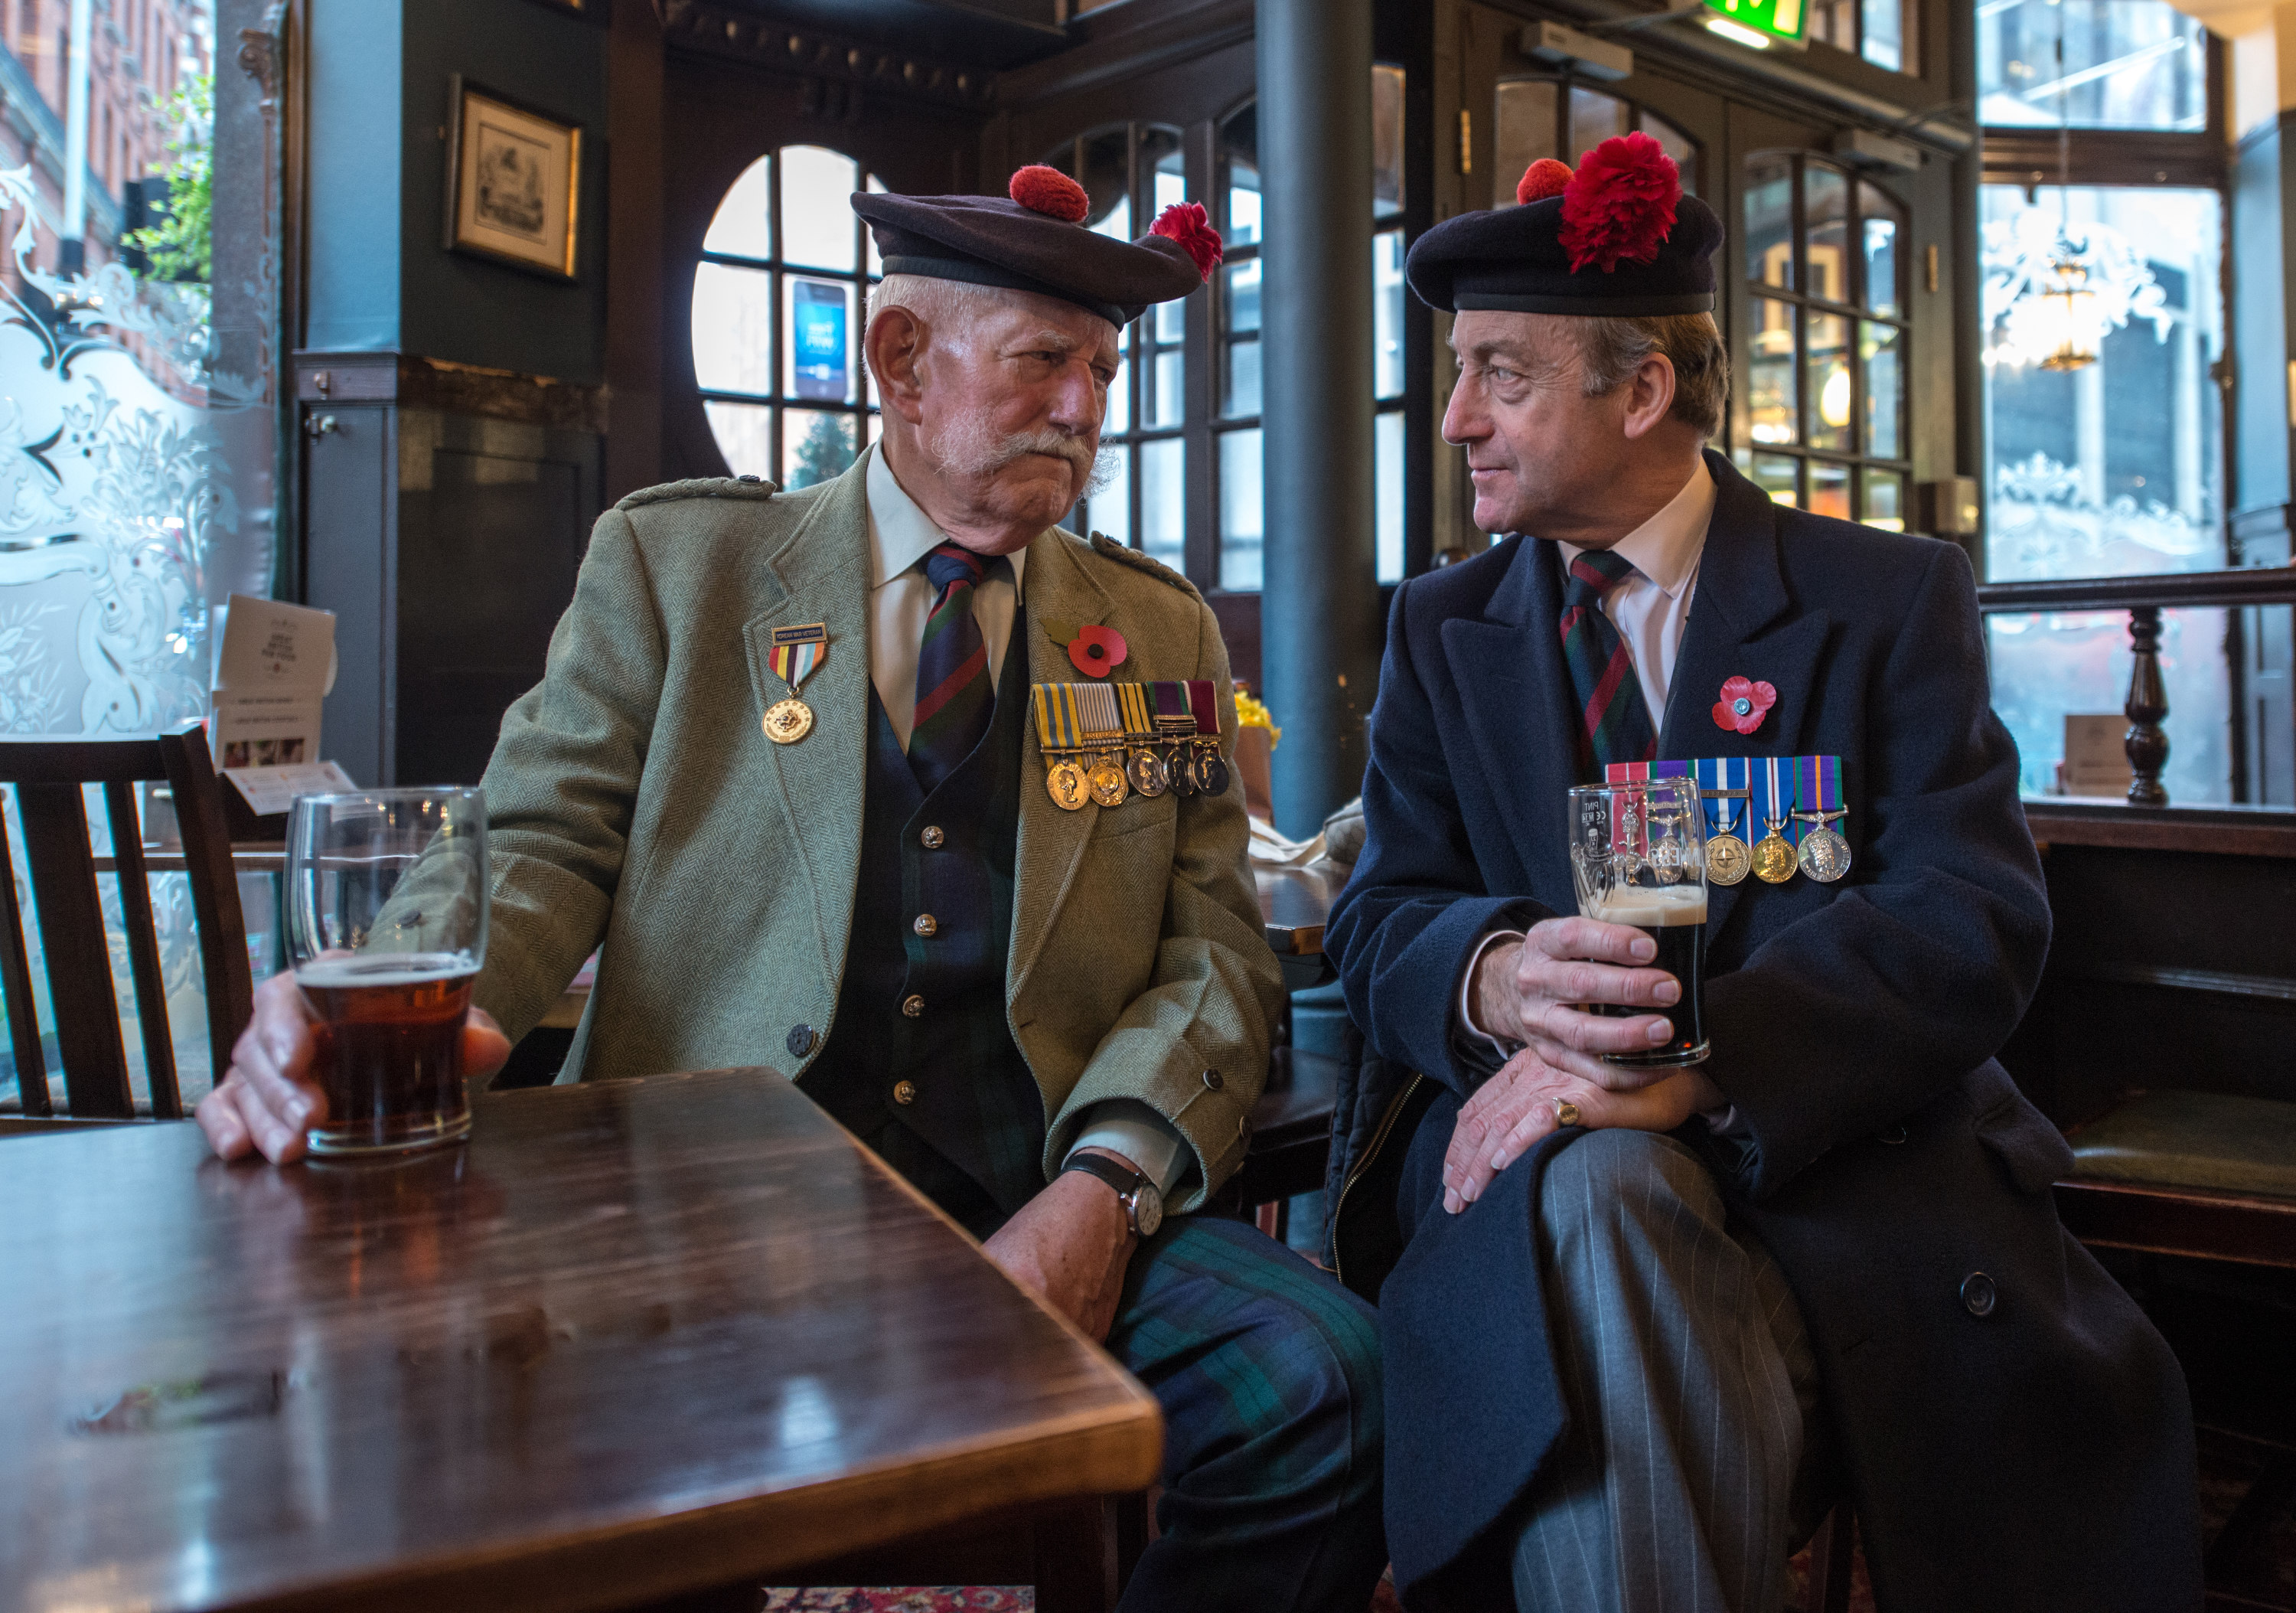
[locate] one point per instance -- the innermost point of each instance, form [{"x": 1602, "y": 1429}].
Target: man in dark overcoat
[{"x": 1641, "y": 1327}]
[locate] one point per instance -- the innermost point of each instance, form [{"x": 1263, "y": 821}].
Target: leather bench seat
[{"x": 2193, "y": 1140}]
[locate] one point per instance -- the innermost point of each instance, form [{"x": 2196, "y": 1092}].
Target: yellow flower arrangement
[{"x": 1252, "y": 713}]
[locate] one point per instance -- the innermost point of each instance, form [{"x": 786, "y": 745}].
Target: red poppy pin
[
  {"x": 1093, "y": 650},
  {"x": 1743, "y": 705}
]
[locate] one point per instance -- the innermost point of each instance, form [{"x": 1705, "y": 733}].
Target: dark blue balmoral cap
[
  {"x": 1035, "y": 240},
  {"x": 1616, "y": 240}
]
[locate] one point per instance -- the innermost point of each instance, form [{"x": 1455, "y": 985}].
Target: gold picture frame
[{"x": 514, "y": 183}]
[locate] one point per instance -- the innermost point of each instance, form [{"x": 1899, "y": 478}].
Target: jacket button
[
  {"x": 927, "y": 925},
  {"x": 748, "y": 478},
  {"x": 904, "y": 1092},
  {"x": 932, "y": 837},
  {"x": 1893, "y": 1136},
  {"x": 1212, "y": 1079},
  {"x": 800, "y": 1040},
  {"x": 913, "y": 1006},
  {"x": 1978, "y": 1294}
]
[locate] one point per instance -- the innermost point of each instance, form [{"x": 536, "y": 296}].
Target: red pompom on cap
[
  {"x": 1621, "y": 203},
  {"x": 1187, "y": 223},
  {"x": 1543, "y": 178},
  {"x": 1050, "y": 191}
]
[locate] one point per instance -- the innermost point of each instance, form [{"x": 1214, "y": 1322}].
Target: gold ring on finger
[{"x": 1566, "y": 1112}]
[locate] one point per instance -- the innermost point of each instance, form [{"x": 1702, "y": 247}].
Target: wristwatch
[{"x": 1142, "y": 1200}]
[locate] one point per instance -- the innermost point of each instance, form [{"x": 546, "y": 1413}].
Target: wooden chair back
[{"x": 48, "y": 775}]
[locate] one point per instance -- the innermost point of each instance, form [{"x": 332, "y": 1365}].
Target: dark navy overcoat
[{"x": 2031, "y": 1453}]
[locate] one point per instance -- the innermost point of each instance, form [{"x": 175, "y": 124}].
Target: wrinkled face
[
  {"x": 1544, "y": 457},
  {"x": 1012, "y": 398}
]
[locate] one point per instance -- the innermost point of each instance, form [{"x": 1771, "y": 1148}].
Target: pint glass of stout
[
  {"x": 386, "y": 929},
  {"x": 1638, "y": 857}
]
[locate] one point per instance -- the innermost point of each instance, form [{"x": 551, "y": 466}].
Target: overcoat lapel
[
  {"x": 1512, "y": 682},
  {"x": 1741, "y": 592},
  {"x": 821, "y": 573},
  {"x": 1052, "y": 842}
]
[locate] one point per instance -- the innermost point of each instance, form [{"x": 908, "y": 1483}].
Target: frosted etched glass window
[{"x": 816, "y": 207}]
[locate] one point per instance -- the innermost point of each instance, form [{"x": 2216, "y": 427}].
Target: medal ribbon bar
[
  {"x": 1817, "y": 781},
  {"x": 1139, "y": 721},
  {"x": 1058, "y": 727},
  {"x": 796, "y": 651}
]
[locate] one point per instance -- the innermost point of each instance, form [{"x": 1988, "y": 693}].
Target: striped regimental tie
[
  {"x": 1618, "y": 722},
  {"x": 956, "y": 696}
]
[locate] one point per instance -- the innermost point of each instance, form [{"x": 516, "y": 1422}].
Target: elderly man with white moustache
[{"x": 784, "y": 766}]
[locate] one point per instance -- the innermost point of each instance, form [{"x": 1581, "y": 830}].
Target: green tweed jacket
[{"x": 634, "y": 801}]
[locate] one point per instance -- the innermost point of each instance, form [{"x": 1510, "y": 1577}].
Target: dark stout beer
[
  {"x": 1675, "y": 917},
  {"x": 389, "y": 1049}
]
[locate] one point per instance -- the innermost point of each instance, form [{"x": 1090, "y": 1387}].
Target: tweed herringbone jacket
[{"x": 634, "y": 801}]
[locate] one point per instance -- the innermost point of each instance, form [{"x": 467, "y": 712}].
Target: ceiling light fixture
[{"x": 1731, "y": 31}]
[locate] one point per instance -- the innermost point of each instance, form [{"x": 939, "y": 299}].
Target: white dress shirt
[
  {"x": 900, "y": 601},
  {"x": 1650, "y": 608}
]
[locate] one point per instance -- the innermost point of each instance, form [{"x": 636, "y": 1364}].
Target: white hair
[{"x": 946, "y": 308}]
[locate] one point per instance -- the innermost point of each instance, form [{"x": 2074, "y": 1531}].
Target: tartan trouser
[{"x": 1268, "y": 1371}]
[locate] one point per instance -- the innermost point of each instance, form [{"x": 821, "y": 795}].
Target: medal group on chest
[
  {"x": 1105, "y": 743},
  {"x": 1795, "y": 800}
]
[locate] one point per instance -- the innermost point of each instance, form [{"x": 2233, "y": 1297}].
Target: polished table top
[{"x": 635, "y": 1337}]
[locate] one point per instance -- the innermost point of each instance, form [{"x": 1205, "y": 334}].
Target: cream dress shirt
[{"x": 900, "y": 601}]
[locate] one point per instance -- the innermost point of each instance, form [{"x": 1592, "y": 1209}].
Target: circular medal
[
  {"x": 1211, "y": 773},
  {"x": 1182, "y": 768},
  {"x": 1825, "y": 855},
  {"x": 787, "y": 721},
  {"x": 1727, "y": 860},
  {"x": 1064, "y": 782},
  {"x": 1774, "y": 860},
  {"x": 1149, "y": 776},
  {"x": 1106, "y": 780}
]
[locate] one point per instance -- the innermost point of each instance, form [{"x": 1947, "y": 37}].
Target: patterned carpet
[{"x": 902, "y": 1598}]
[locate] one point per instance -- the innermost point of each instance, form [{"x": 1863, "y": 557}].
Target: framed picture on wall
[{"x": 514, "y": 181}]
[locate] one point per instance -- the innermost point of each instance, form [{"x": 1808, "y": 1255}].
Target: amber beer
[
  {"x": 389, "y": 1030},
  {"x": 1674, "y": 917}
]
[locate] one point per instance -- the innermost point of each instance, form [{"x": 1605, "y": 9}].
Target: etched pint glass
[
  {"x": 386, "y": 929},
  {"x": 1638, "y": 857}
]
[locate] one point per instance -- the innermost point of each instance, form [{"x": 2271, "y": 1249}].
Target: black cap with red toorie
[
  {"x": 1617, "y": 238},
  {"x": 1035, "y": 241}
]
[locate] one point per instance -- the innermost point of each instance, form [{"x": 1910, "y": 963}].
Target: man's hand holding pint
[{"x": 269, "y": 1099}]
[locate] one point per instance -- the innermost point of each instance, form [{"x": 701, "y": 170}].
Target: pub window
[
  {"x": 1823, "y": 422},
  {"x": 1542, "y": 116},
  {"x": 777, "y": 299},
  {"x": 2105, "y": 413},
  {"x": 1886, "y": 32},
  {"x": 1130, "y": 173},
  {"x": 1133, "y": 171}
]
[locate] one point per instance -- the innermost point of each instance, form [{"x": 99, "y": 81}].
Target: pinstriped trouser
[{"x": 1689, "y": 1469}]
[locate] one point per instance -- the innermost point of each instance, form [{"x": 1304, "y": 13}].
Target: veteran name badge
[
  {"x": 1209, "y": 767},
  {"x": 1774, "y": 860},
  {"x": 1145, "y": 764},
  {"x": 1722, "y": 791},
  {"x": 1060, "y": 735},
  {"x": 1824, "y": 854},
  {"x": 795, "y": 651}
]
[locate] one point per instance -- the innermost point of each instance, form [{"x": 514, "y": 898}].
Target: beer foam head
[
  {"x": 1650, "y": 909},
  {"x": 352, "y": 969}
]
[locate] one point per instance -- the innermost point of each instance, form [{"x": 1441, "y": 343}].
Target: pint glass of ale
[
  {"x": 386, "y": 929},
  {"x": 1638, "y": 857}
]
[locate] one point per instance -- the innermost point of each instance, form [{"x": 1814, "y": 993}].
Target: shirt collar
[
  {"x": 900, "y": 533},
  {"x": 1666, "y": 548}
]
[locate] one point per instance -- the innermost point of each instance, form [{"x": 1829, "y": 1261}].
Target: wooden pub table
[{"x": 635, "y": 1339}]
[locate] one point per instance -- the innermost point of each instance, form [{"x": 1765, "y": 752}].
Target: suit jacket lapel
[
  {"x": 821, "y": 573},
  {"x": 1735, "y": 631},
  {"x": 1512, "y": 682},
  {"x": 1055, "y": 587}
]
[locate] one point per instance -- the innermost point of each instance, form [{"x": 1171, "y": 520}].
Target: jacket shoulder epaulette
[
  {"x": 700, "y": 487},
  {"x": 1141, "y": 562}
]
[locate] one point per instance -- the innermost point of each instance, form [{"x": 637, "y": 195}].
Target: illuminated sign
[{"x": 1764, "y": 19}]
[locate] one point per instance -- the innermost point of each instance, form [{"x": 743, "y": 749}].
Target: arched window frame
[{"x": 731, "y": 408}]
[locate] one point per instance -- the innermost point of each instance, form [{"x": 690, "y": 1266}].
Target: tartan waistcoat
[{"x": 972, "y": 1135}]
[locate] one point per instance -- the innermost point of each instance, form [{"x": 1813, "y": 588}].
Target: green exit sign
[{"x": 1777, "y": 18}]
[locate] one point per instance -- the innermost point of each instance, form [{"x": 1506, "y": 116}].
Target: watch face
[{"x": 1147, "y": 1209}]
